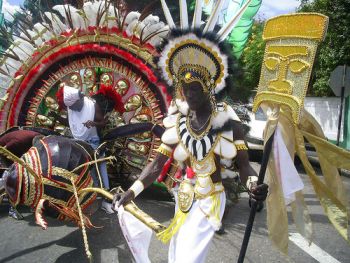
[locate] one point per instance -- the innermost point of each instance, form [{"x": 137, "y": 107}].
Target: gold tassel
[
  {"x": 83, "y": 230},
  {"x": 174, "y": 226}
]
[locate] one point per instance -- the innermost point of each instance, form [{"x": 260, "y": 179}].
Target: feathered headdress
[
  {"x": 195, "y": 54},
  {"x": 110, "y": 93}
]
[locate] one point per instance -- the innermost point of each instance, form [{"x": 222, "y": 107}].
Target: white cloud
[
  {"x": 271, "y": 8},
  {"x": 9, "y": 9}
]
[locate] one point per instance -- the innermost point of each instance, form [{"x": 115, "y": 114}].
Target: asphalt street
[{"x": 23, "y": 241}]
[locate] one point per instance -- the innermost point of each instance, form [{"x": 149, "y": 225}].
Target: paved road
[{"x": 23, "y": 241}]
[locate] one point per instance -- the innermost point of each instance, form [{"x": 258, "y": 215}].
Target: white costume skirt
[{"x": 191, "y": 243}]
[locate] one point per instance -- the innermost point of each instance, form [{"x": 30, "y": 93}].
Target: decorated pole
[
  {"x": 291, "y": 44},
  {"x": 248, "y": 230}
]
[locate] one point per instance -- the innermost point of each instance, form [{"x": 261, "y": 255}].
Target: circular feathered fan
[{"x": 86, "y": 48}]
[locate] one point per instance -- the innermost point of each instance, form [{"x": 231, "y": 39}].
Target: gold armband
[
  {"x": 165, "y": 150},
  {"x": 240, "y": 145}
]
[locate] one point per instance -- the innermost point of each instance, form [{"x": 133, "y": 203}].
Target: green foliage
[
  {"x": 250, "y": 62},
  {"x": 335, "y": 50}
]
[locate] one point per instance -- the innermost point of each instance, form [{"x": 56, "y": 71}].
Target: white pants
[{"x": 191, "y": 243}]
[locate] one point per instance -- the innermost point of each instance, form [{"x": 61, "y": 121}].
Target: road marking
[{"x": 313, "y": 250}]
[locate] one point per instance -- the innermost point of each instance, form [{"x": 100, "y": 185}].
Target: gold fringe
[
  {"x": 86, "y": 242},
  {"x": 174, "y": 226}
]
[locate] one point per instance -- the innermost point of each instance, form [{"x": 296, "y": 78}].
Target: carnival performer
[
  {"x": 199, "y": 145},
  {"x": 202, "y": 136},
  {"x": 86, "y": 118}
]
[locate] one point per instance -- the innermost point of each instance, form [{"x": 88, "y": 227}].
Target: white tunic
[{"x": 78, "y": 118}]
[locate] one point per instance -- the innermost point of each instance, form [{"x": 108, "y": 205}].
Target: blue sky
[
  {"x": 15, "y": 2},
  {"x": 269, "y": 8}
]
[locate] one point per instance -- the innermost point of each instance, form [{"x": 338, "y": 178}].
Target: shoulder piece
[
  {"x": 170, "y": 121},
  {"x": 170, "y": 136},
  {"x": 223, "y": 115},
  {"x": 225, "y": 147}
]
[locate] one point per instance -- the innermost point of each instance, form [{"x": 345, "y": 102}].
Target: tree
[
  {"x": 335, "y": 50},
  {"x": 250, "y": 64}
]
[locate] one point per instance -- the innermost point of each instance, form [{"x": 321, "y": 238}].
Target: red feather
[
  {"x": 59, "y": 98},
  {"x": 109, "y": 92},
  {"x": 190, "y": 173}
]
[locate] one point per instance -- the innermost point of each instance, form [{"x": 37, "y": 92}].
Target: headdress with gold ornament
[{"x": 197, "y": 53}]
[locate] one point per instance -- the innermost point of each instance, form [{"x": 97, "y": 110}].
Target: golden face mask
[
  {"x": 185, "y": 196},
  {"x": 75, "y": 80},
  {"x": 89, "y": 77},
  {"x": 122, "y": 86},
  {"x": 107, "y": 79},
  {"x": 289, "y": 56},
  {"x": 133, "y": 103}
]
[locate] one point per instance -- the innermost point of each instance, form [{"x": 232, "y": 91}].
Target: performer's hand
[
  {"x": 122, "y": 198},
  {"x": 89, "y": 124},
  {"x": 258, "y": 192}
]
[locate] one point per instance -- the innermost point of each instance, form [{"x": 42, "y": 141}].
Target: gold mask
[
  {"x": 133, "y": 103},
  {"x": 291, "y": 44},
  {"x": 185, "y": 195},
  {"x": 122, "y": 87},
  {"x": 106, "y": 79},
  {"x": 75, "y": 80}
]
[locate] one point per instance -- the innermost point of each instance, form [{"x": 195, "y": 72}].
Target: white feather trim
[
  {"x": 223, "y": 116},
  {"x": 24, "y": 45},
  {"x": 172, "y": 108},
  {"x": 180, "y": 154},
  {"x": 170, "y": 121},
  {"x": 56, "y": 22},
  {"x": 17, "y": 50},
  {"x": 132, "y": 27},
  {"x": 151, "y": 19},
  {"x": 90, "y": 10},
  {"x": 131, "y": 17},
  {"x": 42, "y": 31},
  {"x": 226, "y": 173},
  {"x": 225, "y": 148},
  {"x": 112, "y": 17},
  {"x": 226, "y": 162},
  {"x": 4, "y": 84},
  {"x": 13, "y": 66},
  {"x": 182, "y": 106},
  {"x": 157, "y": 40},
  {"x": 170, "y": 136}
]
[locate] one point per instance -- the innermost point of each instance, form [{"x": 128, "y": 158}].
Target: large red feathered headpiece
[{"x": 109, "y": 92}]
